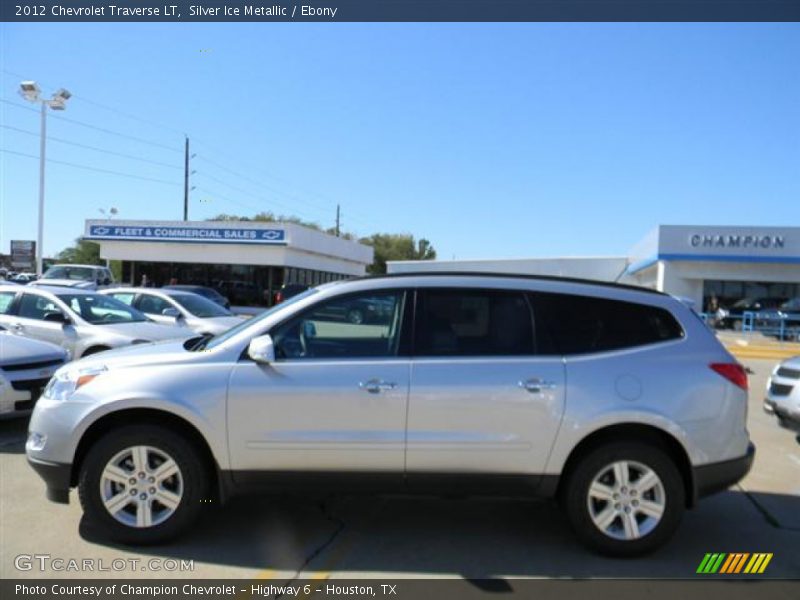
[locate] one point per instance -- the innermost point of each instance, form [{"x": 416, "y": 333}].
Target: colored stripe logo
[{"x": 734, "y": 563}]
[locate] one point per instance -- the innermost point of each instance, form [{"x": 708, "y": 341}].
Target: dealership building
[
  {"x": 695, "y": 262},
  {"x": 246, "y": 260}
]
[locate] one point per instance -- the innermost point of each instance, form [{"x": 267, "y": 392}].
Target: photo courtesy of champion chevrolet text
[{"x": 384, "y": 299}]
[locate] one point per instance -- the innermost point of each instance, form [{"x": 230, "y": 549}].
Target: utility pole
[
  {"x": 186, "y": 181},
  {"x": 40, "y": 228},
  {"x": 337, "y": 220},
  {"x": 31, "y": 92}
]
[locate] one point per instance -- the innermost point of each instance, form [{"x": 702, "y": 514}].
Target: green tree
[
  {"x": 85, "y": 252},
  {"x": 394, "y": 246}
]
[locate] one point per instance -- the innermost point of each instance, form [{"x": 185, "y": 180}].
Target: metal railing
[{"x": 783, "y": 326}]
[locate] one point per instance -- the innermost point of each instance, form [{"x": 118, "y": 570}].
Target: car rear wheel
[
  {"x": 625, "y": 499},
  {"x": 142, "y": 484}
]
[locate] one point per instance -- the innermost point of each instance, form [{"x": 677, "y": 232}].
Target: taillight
[
  {"x": 733, "y": 372},
  {"x": 278, "y": 297}
]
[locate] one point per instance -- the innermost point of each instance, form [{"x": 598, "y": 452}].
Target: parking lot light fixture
[{"x": 32, "y": 93}]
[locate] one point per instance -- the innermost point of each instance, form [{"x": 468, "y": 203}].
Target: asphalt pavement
[{"x": 285, "y": 538}]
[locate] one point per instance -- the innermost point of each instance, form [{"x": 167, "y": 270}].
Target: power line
[
  {"x": 226, "y": 199},
  {"x": 88, "y": 168},
  {"x": 96, "y": 128},
  {"x": 245, "y": 192},
  {"x": 293, "y": 197},
  {"x": 261, "y": 183},
  {"x": 95, "y": 148},
  {"x": 107, "y": 107}
]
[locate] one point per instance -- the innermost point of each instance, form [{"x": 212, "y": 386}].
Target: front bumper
[
  {"x": 715, "y": 477},
  {"x": 786, "y": 418},
  {"x": 56, "y": 477}
]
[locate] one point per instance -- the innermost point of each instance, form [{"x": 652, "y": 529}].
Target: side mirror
[
  {"x": 106, "y": 281},
  {"x": 171, "y": 312},
  {"x": 262, "y": 350},
  {"x": 57, "y": 317}
]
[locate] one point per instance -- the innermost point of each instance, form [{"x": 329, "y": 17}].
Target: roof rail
[{"x": 593, "y": 282}]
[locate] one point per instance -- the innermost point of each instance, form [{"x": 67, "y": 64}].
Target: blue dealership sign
[{"x": 213, "y": 235}]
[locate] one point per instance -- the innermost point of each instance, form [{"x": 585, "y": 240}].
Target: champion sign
[
  {"x": 212, "y": 235},
  {"x": 737, "y": 241}
]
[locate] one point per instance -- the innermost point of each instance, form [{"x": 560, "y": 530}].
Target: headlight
[{"x": 65, "y": 383}]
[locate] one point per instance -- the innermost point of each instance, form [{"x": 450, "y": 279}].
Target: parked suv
[{"x": 616, "y": 400}]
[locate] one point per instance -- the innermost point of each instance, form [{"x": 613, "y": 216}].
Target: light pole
[
  {"x": 31, "y": 92},
  {"x": 108, "y": 214}
]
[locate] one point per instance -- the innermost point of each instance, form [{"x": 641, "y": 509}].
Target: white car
[
  {"x": 89, "y": 277},
  {"x": 80, "y": 321},
  {"x": 783, "y": 394},
  {"x": 25, "y": 368},
  {"x": 177, "y": 307}
]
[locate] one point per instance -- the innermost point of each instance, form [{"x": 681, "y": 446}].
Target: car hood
[
  {"x": 217, "y": 325},
  {"x": 160, "y": 353},
  {"x": 15, "y": 349},
  {"x": 792, "y": 363},
  {"x": 146, "y": 331}
]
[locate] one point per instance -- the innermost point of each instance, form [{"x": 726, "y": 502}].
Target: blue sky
[{"x": 491, "y": 140}]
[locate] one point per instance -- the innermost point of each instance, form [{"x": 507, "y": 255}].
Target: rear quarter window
[{"x": 574, "y": 324}]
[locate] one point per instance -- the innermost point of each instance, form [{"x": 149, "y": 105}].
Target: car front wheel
[
  {"x": 625, "y": 499},
  {"x": 142, "y": 484}
]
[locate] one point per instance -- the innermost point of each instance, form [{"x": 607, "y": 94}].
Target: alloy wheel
[
  {"x": 141, "y": 486},
  {"x": 626, "y": 500}
]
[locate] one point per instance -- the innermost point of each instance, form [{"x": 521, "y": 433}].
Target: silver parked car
[
  {"x": 617, "y": 400},
  {"x": 783, "y": 394},
  {"x": 176, "y": 307},
  {"x": 25, "y": 368},
  {"x": 88, "y": 277},
  {"x": 79, "y": 321}
]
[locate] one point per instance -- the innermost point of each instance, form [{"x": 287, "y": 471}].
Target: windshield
[
  {"x": 101, "y": 310},
  {"x": 74, "y": 273},
  {"x": 221, "y": 338},
  {"x": 200, "y": 307}
]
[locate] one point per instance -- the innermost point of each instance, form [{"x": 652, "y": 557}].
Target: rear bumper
[
  {"x": 56, "y": 477},
  {"x": 709, "y": 479}
]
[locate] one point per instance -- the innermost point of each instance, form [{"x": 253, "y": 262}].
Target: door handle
[
  {"x": 17, "y": 326},
  {"x": 536, "y": 385},
  {"x": 375, "y": 386}
]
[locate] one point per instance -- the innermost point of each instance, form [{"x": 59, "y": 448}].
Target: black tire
[
  {"x": 576, "y": 497},
  {"x": 194, "y": 476}
]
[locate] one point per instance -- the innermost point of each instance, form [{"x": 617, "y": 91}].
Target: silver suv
[{"x": 616, "y": 400}]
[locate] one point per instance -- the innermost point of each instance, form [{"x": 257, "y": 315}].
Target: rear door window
[
  {"x": 473, "y": 322},
  {"x": 574, "y": 324},
  {"x": 126, "y": 297},
  {"x": 153, "y": 305},
  {"x": 6, "y": 300}
]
